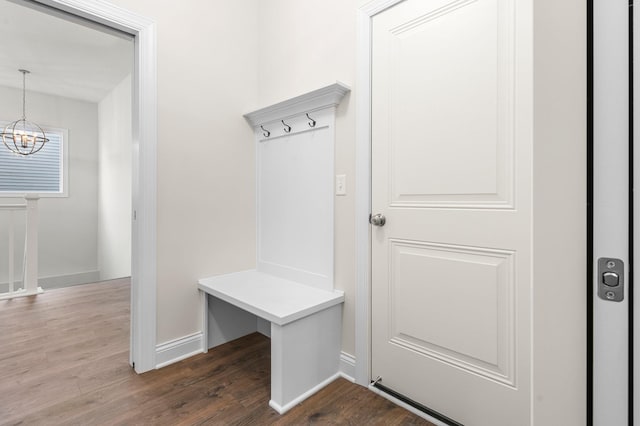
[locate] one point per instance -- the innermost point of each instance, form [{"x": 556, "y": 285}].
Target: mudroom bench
[
  {"x": 305, "y": 346},
  {"x": 290, "y": 295}
]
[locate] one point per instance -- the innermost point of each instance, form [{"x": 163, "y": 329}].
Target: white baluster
[
  {"x": 11, "y": 252},
  {"x": 31, "y": 246}
]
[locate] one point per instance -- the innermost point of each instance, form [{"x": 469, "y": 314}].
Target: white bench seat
[
  {"x": 275, "y": 299},
  {"x": 305, "y": 331}
]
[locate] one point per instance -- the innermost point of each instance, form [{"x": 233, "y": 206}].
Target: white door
[{"x": 451, "y": 173}]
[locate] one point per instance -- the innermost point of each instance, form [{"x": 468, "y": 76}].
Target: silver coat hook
[
  {"x": 311, "y": 123},
  {"x": 265, "y": 132},
  {"x": 287, "y": 128}
]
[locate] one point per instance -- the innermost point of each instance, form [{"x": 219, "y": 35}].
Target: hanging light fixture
[{"x": 21, "y": 136}]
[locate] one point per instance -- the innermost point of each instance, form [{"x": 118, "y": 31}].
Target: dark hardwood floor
[{"x": 64, "y": 361}]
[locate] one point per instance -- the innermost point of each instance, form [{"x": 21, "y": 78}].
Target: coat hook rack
[
  {"x": 287, "y": 128},
  {"x": 265, "y": 132},
  {"x": 311, "y": 123}
]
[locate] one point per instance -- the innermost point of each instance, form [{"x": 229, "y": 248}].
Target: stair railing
[{"x": 30, "y": 262}]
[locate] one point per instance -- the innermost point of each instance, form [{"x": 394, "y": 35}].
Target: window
[{"x": 41, "y": 173}]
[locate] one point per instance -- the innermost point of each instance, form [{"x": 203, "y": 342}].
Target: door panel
[
  {"x": 471, "y": 121},
  {"x": 451, "y": 171},
  {"x": 478, "y": 286}
]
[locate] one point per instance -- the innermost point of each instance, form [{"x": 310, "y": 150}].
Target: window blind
[{"x": 35, "y": 173}]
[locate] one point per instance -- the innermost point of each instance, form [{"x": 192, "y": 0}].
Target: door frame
[
  {"x": 634, "y": 331},
  {"x": 142, "y": 354},
  {"x": 611, "y": 363},
  {"x": 363, "y": 188}
]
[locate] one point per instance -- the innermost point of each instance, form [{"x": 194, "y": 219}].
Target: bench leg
[
  {"x": 305, "y": 357},
  {"x": 204, "y": 306}
]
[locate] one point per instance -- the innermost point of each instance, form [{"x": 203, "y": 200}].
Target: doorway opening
[
  {"x": 141, "y": 214},
  {"x": 80, "y": 94}
]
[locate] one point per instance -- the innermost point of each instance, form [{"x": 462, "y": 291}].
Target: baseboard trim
[
  {"x": 69, "y": 280},
  {"x": 347, "y": 367},
  {"x": 281, "y": 409},
  {"x": 61, "y": 281},
  {"x": 178, "y": 349}
]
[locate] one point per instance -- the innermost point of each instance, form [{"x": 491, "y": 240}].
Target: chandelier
[{"x": 21, "y": 136}]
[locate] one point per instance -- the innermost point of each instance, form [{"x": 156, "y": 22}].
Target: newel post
[{"x": 31, "y": 245}]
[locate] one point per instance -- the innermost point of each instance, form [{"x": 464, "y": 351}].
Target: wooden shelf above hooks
[{"x": 324, "y": 97}]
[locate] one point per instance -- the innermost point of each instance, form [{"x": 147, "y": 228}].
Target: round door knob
[{"x": 378, "y": 220}]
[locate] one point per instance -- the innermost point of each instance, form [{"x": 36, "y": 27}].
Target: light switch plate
[{"x": 341, "y": 184}]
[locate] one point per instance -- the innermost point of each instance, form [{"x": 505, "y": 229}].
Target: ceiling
[{"x": 65, "y": 56}]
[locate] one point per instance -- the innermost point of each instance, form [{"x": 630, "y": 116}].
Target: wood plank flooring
[{"x": 64, "y": 361}]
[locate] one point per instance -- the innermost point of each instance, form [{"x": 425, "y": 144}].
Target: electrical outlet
[{"x": 341, "y": 184}]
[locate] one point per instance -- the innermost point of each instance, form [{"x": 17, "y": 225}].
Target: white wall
[
  {"x": 207, "y": 78},
  {"x": 216, "y": 61},
  {"x": 114, "y": 182},
  {"x": 211, "y": 57},
  {"x": 68, "y": 226}
]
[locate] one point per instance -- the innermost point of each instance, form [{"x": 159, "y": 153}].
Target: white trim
[
  {"x": 178, "y": 349},
  {"x": 635, "y": 240},
  {"x": 363, "y": 188},
  {"x": 376, "y": 6},
  {"x": 68, "y": 280},
  {"x": 281, "y": 409},
  {"x": 328, "y": 96},
  {"x": 611, "y": 370},
  {"x": 347, "y": 367},
  {"x": 363, "y": 200},
  {"x": 407, "y": 407},
  {"x": 144, "y": 124}
]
